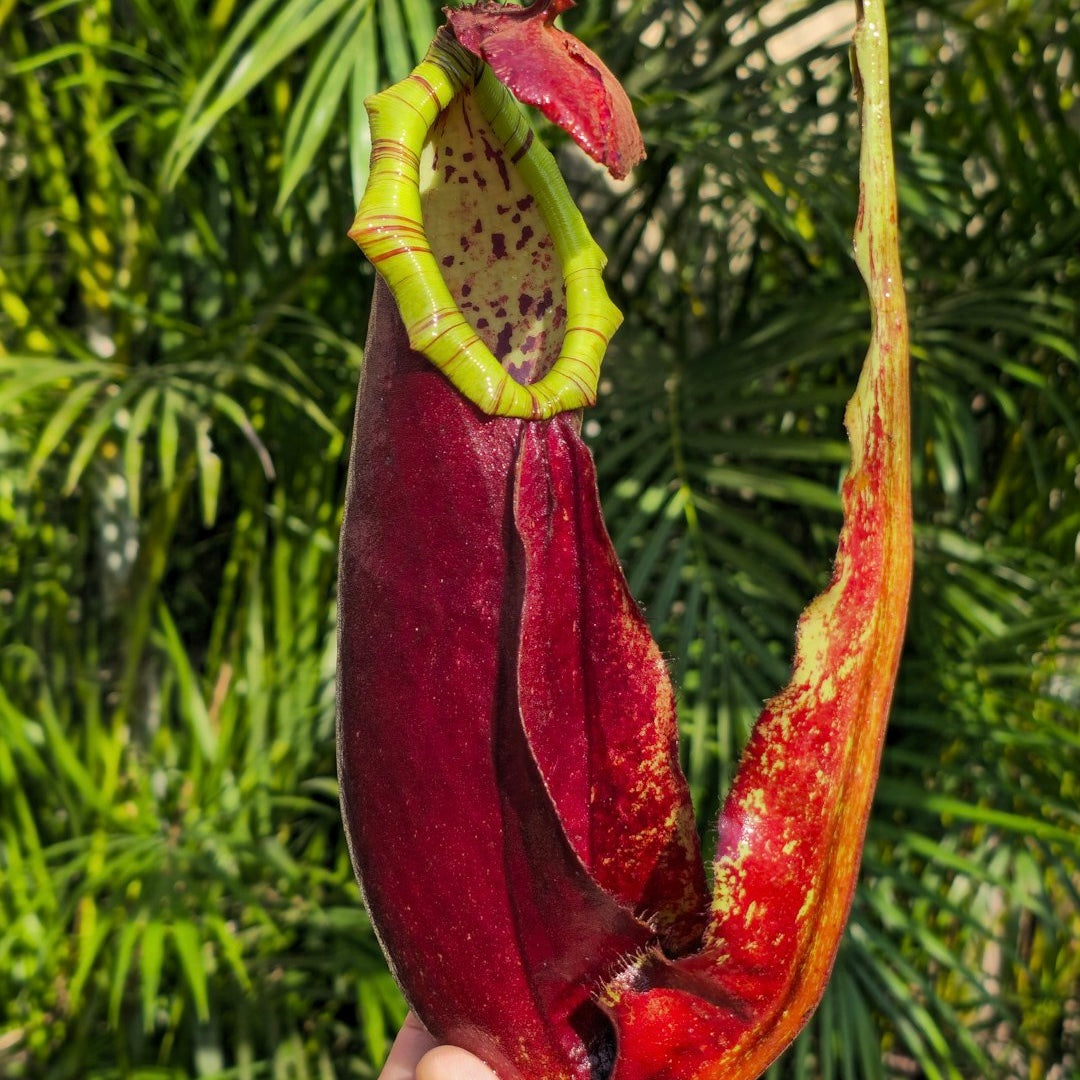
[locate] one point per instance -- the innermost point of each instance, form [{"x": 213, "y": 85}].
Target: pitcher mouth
[{"x": 389, "y": 228}]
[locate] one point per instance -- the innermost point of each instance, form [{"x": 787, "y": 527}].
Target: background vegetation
[{"x": 181, "y": 320}]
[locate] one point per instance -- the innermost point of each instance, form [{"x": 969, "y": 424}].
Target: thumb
[
  {"x": 452, "y": 1063},
  {"x": 411, "y": 1044}
]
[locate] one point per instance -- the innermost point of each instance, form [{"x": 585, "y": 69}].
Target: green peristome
[{"x": 391, "y": 230}]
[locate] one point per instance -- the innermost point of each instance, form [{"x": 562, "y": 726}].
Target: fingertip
[
  {"x": 452, "y": 1063},
  {"x": 412, "y": 1043}
]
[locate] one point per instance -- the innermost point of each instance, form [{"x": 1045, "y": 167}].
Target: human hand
[{"x": 415, "y": 1055}]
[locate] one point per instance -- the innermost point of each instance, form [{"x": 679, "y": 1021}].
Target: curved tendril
[{"x": 389, "y": 228}]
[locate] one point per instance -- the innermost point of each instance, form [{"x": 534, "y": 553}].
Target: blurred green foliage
[{"x": 181, "y": 320}]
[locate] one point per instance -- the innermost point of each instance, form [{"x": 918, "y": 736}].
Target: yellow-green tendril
[{"x": 390, "y": 230}]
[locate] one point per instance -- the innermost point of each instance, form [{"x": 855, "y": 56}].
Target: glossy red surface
[
  {"x": 596, "y": 699},
  {"x": 492, "y": 924}
]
